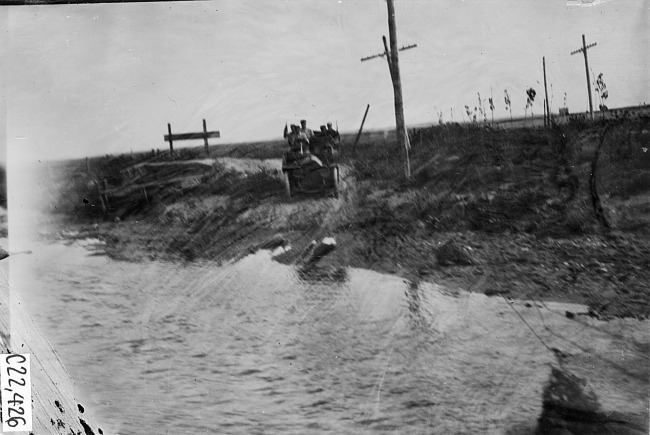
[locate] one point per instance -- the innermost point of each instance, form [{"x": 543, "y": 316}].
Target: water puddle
[{"x": 252, "y": 347}]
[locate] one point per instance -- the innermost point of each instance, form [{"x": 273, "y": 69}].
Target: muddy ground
[{"x": 506, "y": 213}]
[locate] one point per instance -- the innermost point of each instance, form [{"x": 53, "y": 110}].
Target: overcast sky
[{"x": 93, "y": 79}]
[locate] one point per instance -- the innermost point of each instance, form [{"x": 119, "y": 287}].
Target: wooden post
[
  {"x": 356, "y": 140},
  {"x": 393, "y": 67},
  {"x": 397, "y": 87},
  {"x": 583, "y": 50},
  {"x": 547, "y": 109},
  {"x": 171, "y": 142},
  {"x": 205, "y": 139}
]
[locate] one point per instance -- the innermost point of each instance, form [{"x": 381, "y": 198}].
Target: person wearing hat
[
  {"x": 303, "y": 129},
  {"x": 333, "y": 133},
  {"x": 291, "y": 135}
]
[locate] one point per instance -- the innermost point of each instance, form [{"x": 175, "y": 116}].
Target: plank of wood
[{"x": 186, "y": 136}]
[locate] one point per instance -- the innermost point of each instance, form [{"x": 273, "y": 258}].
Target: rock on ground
[{"x": 451, "y": 253}]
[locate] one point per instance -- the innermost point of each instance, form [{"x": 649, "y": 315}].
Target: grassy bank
[{"x": 521, "y": 207}]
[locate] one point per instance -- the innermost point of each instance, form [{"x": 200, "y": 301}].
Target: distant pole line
[
  {"x": 393, "y": 68},
  {"x": 583, "y": 50}
]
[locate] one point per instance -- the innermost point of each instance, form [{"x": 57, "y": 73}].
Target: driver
[{"x": 306, "y": 131}]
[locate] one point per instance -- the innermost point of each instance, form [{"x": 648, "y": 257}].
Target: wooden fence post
[
  {"x": 205, "y": 139},
  {"x": 171, "y": 142},
  {"x": 205, "y": 134}
]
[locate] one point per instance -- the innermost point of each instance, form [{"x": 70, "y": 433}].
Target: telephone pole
[
  {"x": 547, "y": 117},
  {"x": 393, "y": 67},
  {"x": 583, "y": 50}
]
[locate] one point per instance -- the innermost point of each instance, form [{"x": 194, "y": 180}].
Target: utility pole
[
  {"x": 547, "y": 117},
  {"x": 393, "y": 67},
  {"x": 583, "y": 50}
]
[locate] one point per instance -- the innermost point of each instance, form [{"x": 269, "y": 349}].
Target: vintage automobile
[{"x": 311, "y": 166}]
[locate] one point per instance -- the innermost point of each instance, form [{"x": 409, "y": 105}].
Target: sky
[{"x": 95, "y": 79}]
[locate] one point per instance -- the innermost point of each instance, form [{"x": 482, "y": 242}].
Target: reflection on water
[{"x": 251, "y": 348}]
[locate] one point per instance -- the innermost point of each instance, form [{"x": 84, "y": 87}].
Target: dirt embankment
[{"x": 506, "y": 213}]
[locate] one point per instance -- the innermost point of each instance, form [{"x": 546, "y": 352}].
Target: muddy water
[{"x": 251, "y": 348}]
